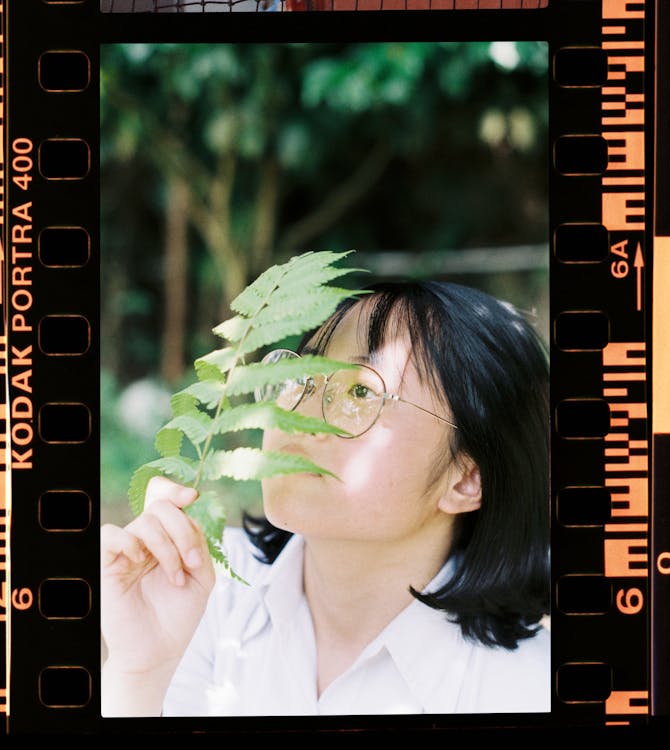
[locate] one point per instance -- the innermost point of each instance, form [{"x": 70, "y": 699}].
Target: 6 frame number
[{"x": 21, "y": 598}]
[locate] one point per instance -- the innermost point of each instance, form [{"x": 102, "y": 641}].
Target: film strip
[{"x": 610, "y": 272}]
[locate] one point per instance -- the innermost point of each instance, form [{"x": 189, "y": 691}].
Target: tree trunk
[
  {"x": 265, "y": 220},
  {"x": 213, "y": 220},
  {"x": 176, "y": 279},
  {"x": 111, "y": 316}
]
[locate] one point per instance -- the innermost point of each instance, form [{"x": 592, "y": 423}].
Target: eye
[{"x": 360, "y": 391}]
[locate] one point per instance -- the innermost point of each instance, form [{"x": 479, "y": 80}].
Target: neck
[{"x": 355, "y": 589}]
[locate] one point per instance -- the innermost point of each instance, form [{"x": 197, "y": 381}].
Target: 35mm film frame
[{"x": 610, "y": 276}]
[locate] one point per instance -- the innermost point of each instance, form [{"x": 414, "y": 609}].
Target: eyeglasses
[{"x": 352, "y": 400}]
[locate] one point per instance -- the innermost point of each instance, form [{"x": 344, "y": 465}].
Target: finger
[
  {"x": 204, "y": 573},
  {"x": 151, "y": 532},
  {"x": 162, "y": 488},
  {"x": 115, "y": 541},
  {"x": 185, "y": 535}
]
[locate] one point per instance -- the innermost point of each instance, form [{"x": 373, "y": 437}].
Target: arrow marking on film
[{"x": 639, "y": 264}]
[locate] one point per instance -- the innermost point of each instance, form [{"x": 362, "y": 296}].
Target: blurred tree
[{"x": 248, "y": 153}]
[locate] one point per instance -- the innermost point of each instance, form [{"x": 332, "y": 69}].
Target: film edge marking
[{"x": 624, "y": 363}]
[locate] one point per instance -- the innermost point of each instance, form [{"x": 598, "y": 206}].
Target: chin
[{"x": 290, "y": 501}]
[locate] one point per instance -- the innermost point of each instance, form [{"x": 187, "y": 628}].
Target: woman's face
[{"x": 381, "y": 493}]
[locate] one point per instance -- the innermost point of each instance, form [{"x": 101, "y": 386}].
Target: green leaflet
[
  {"x": 210, "y": 514},
  {"x": 251, "y": 463},
  {"x": 317, "y": 304},
  {"x": 195, "y": 425},
  {"x": 246, "y": 378},
  {"x": 293, "y": 316},
  {"x": 216, "y": 363},
  {"x": 207, "y": 392},
  {"x": 138, "y": 486},
  {"x": 312, "y": 269},
  {"x": 176, "y": 467},
  {"x": 168, "y": 441},
  {"x": 285, "y": 300},
  {"x": 268, "y": 416}
]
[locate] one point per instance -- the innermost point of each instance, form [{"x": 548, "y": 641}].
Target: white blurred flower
[{"x": 144, "y": 407}]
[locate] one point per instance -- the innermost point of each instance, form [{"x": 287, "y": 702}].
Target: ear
[{"x": 464, "y": 489}]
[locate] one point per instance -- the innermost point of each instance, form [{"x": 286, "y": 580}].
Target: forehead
[{"x": 350, "y": 341}]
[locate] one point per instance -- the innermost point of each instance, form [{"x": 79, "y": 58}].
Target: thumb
[{"x": 162, "y": 488}]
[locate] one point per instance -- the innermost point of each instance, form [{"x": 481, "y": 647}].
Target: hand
[{"x": 156, "y": 577}]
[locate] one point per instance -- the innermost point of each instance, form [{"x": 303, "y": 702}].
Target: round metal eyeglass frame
[{"x": 385, "y": 395}]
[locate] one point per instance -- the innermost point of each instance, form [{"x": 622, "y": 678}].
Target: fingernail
[
  {"x": 193, "y": 558},
  {"x": 180, "y": 578}
]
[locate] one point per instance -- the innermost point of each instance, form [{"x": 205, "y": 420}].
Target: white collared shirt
[{"x": 254, "y": 654}]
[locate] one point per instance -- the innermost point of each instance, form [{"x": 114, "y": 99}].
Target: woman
[{"x": 413, "y": 581}]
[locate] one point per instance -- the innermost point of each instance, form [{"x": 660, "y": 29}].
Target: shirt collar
[
  {"x": 405, "y": 638},
  {"x": 280, "y": 586},
  {"x": 418, "y": 640}
]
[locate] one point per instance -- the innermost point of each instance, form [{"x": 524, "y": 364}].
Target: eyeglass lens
[{"x": 351, "y": 401}]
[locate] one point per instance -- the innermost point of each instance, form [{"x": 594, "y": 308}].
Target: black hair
[{"x": 486, "y": 360}]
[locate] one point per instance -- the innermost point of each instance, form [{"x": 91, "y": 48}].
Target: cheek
[
  {"x": 360, "y": 474},
  {"x": 271, "y": 440},
  {"x": 387, "y": 468}
]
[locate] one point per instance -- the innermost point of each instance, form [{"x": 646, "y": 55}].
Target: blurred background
[{"x": 219, "y": 160}]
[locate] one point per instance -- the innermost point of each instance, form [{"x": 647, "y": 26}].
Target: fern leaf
[
  {"x": 138, "y": 486},
  {"x": 207, "y": 371},
  {"x": 232, "y": 329},
  {"x": 196, "y": 425},
  {"x": 253, "y": 464},
  {"x": 310, "y": 265},
  {"x": 249, "y": 301},
  {"x": 217, "y": 363},
  {"x": 168, "y": 441},
  {"x": 210, "y": 515},
  {"x": 285, "y": 300},
  {"x": 287, "y": 318},
  {"x": 305, "y": 264},
  {"x": 246, "y": 378},
  {"x": 205, "y": 392},
  {"x": 320, "y": 303},
  {"x": 269, "y": 416},
  {"x": 181, "y": 469},
  {"x": 183, "y": 402},
  {"x": 309, "y": 279},
  {"x": 280, "y": 329},
  {"x": 221, "y": 556}
]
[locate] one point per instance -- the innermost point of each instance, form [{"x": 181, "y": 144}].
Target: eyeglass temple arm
[{"x": 394, "y": 397}]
